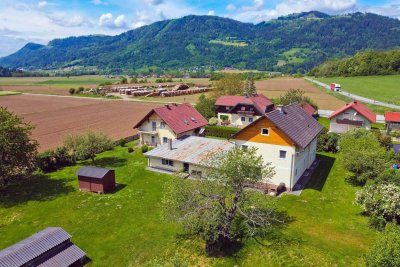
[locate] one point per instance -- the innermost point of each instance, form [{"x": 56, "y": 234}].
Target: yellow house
[
  {"x": 170, "y": 122},
  {"x": 285, "y": 137}
]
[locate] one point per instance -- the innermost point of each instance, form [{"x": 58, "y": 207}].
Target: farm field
[
  {"x": 55, "y": 117},
  {"x": 382, "y": 88},
  {"x": 125, "y": 228}
]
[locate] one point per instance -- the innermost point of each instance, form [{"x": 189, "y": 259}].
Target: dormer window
[
  {"x": 243, "y": 108},
  {"x": 265, "y": 131},
  {"x": 226, "y": 108}
]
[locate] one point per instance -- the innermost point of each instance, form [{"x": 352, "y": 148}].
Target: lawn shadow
[
  {"x": 321, "y": 173},
  {"x": 38, "y": 187},
  {"x": 118, "y": 187},
  {"x": 108, "y": 162}
]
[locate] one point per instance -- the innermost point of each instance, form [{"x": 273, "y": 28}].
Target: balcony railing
[
  {"x": 245, "y": 112},
  {"x": 350, "y": 122}
]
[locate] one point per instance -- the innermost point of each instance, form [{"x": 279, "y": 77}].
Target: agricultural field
[
  {"x": 126, "y": 228},
  {"x": 54, "y": 117},
  {"x": 381, "y": 88}
]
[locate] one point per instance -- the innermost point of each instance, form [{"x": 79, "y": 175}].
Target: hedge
[{"x": 221, "y": 131}]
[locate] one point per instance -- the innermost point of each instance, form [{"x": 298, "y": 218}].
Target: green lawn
[
  {"x": 125, "y": 228},
  {"x": 59, "y": 82},
  {"x": 324, "y": 121},
  {"x": 382, "y": 88},
  {"x": 3, "y": 93}
]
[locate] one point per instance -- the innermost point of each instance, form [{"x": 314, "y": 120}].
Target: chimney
[
  {"x": 170, "y": 144},
  {"x": 280, "y": 108}
]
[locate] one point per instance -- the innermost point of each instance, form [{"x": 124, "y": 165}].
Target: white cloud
[
  {"x": 120, "y": 21},
  {"x": 42, "y": 4},
  {"x": 211, "y": 13},
  {"x": 107, "y": 20},
  {"x": 155, "y": 2},
  {"x": 230, "y": 7},
  {"x": 68, "y": 20},
  {"x": 97, "y": 2}
]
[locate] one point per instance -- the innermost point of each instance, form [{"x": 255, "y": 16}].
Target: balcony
[
  {"x": 350, "y": 122},
  {"x": 152, "y": 131},
  {"x": 245, "y": 112}
]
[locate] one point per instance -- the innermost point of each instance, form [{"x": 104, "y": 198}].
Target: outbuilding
[{"x": 95, "y": 179}]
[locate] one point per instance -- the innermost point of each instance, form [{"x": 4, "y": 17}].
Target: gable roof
[
  {"x": 179, "y": 117},
  {"x": 392, "y": 116},
  {"x": 261, "y": 102},
  {"x": 360, "y": 108},
  {"x": 33, "y": 246},
  {"x": 295, "y": 123},
  {"x": 94, "y": 172},
  {"x": 308, "y": 108}
]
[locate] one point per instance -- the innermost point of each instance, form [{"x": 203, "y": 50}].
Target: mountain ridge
[{"x": 292, "y": 43}]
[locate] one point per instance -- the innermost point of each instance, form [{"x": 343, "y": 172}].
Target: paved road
[{"x": 356, "y": 97}]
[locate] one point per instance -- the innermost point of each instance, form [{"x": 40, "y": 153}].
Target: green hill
[{"x": 293, "y": 43}]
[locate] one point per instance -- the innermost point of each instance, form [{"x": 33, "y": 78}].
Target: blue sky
[{"x": 40, "y": 21}]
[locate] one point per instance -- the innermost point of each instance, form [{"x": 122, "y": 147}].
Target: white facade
[
  {"x": 289, "y": 162},
  {"x": 338, "y": 123},
  {"x": 237, "y": 120}
]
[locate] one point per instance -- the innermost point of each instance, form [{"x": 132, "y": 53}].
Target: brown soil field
[
  {"x": 273, "y": 88},
  {"x": 55, "y": 117},
  {"x": 35, "y": 89}
]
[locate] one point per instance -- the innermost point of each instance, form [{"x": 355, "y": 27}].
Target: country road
[{"x": 356, "y": 97}]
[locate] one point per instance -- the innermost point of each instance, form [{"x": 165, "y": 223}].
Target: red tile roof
[
  {"x": 179, "y": 117},
  {"x": 309, "y": 109},
  {"x": 360, "y": 108},
  {"x": 261, "y": 102},
  {"x": 392, "y": 116}
]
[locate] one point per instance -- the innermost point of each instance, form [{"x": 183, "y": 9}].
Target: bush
[
  {"x": 80, "y": 90},
  {"x": 221, "y": 131},
  {"x": 213, "y": 121},
  {"x": 328, "y": 142},
  {"x": 52, "y": 160},
  {"x": 130, "y": 150},
  {"x": 71, "y": 91},
  {"x": 122, "y": 142},
  {"x": 386, "y": 251},
  {"x": 145, "y": 148}
]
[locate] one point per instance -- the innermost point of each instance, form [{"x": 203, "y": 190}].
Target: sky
[{"x": 39, "y": 21}]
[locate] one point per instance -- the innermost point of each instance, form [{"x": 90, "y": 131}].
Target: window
[
  {"x": 227, "y": 108},
  {"x": 282, "y": 154},
  {"x": 162, "y": 125},
  {"x": 167, "y": 162},
  {"x": 295, "y": 173},
  {"x": 243, "y": 108},
  {"x": 250, "y": 119},
  {"x": 264, "y": 131},
  {"x": 165, "y": 140},
  {"x": 154, "y": 125},
  {"x": 243, "y": 118},
  {"x": 244, "y": 147}
]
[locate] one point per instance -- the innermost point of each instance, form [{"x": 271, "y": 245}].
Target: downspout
[{"x": 291, "y": 171}]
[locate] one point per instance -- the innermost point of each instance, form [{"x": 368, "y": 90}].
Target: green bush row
[{"x": 221, "y": 131}]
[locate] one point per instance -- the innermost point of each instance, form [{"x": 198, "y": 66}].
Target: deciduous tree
[
  {"x": 206, "y": 106},
  {"x": 229, "y": 84},
  {"x": 295, "y": 95},
  {"x": 17, "y": 149}
]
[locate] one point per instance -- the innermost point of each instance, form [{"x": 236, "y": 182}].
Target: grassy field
[
  {"x": 382, "y": 88},
  {"x": 3, "y": 93},
  {"x": 125, "y": 228}
]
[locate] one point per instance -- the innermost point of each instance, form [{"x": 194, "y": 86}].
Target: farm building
[
  {"x": 240, "y": 111},
  {"x": 309, "y": 109},
  {"x": 48, "y": 248},
  {"x": 392, "y": 121},
  {"x": 170, "y": 122},
  {"x": 352, "y": 115},
  {"x": 286, "y": 137},
  {"x": 95, "y": 179}
]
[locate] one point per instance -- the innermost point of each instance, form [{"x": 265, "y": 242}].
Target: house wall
[
  {"x": 350, "y": 114},
  {"x": 303, "y": 160},
  {"x": 145, "y": 138},
  {"x": 392, "y": 126},
  {"x": 157, "y": 163},
  {"x": 236, "y": 121}
]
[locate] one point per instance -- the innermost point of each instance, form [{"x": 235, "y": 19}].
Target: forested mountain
[
  {"x": 362, "y": 64},
  {"x": 296, "y": 42}
]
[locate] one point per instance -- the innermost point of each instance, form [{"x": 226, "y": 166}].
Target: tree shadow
[
  {"x": 321, "y": 173},
  {"x": 107, "y": 162},
  {"x": 38, "y": 187}
]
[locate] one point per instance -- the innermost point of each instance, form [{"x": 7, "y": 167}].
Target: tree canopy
[
  {"x": 295, "y": 95},
  {"x": 17, "y": 149},
  {"x": 229, "y": 84}
]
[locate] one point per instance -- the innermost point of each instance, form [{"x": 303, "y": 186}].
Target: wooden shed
[{"x": 95, "y": 179}]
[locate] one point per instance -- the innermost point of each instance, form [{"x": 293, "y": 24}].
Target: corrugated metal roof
[
  {"x": 32, "y": 247},
  {"x": 294, "y": 121},
  {"x": 65, "y": 258},
  {"x": 192, "y": 149},
  {"x": 94, "y": 172}
]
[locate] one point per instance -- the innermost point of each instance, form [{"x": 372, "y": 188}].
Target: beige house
[{"x": 170, "y": 122}]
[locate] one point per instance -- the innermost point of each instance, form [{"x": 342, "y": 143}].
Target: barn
[{"x": 95, "y": 179}]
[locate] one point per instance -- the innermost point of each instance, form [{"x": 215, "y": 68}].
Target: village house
[
  {"x": 170, "y": 122},
  {"x": 392, "y": 121},
  {"x": 286, "y": 137},
  {"x": 240, "y": 111},
  {"x": 351, "y": 116}
]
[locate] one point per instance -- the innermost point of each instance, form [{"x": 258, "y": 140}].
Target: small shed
[{"x": 95, "y": 179}]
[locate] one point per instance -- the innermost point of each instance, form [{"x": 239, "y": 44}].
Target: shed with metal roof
[{"x": 95, "y": 179}]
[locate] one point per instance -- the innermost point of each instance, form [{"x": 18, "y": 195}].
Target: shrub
[
  {"x": 328, "y": 142},
  {"x": 386, "y": 251},
  {"x": 130, "y": 150},
  {"x": 122, "y": 142},
  {"x": 52, "y": 160},
  {"x": 145, "y": 148},
  {"x": 80, "y": 90},
  {"x": 213, "y": 121},
  {"x": 71, "y": 91},
  {"x": 221, "y": 131}
]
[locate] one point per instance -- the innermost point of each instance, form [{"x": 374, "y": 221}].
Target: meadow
[
  {"x": 125, "y": 228},
  {"x": 381, "y": 88}
]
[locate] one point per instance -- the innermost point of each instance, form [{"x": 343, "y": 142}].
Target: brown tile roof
[{"x": 260, "y": 101}]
